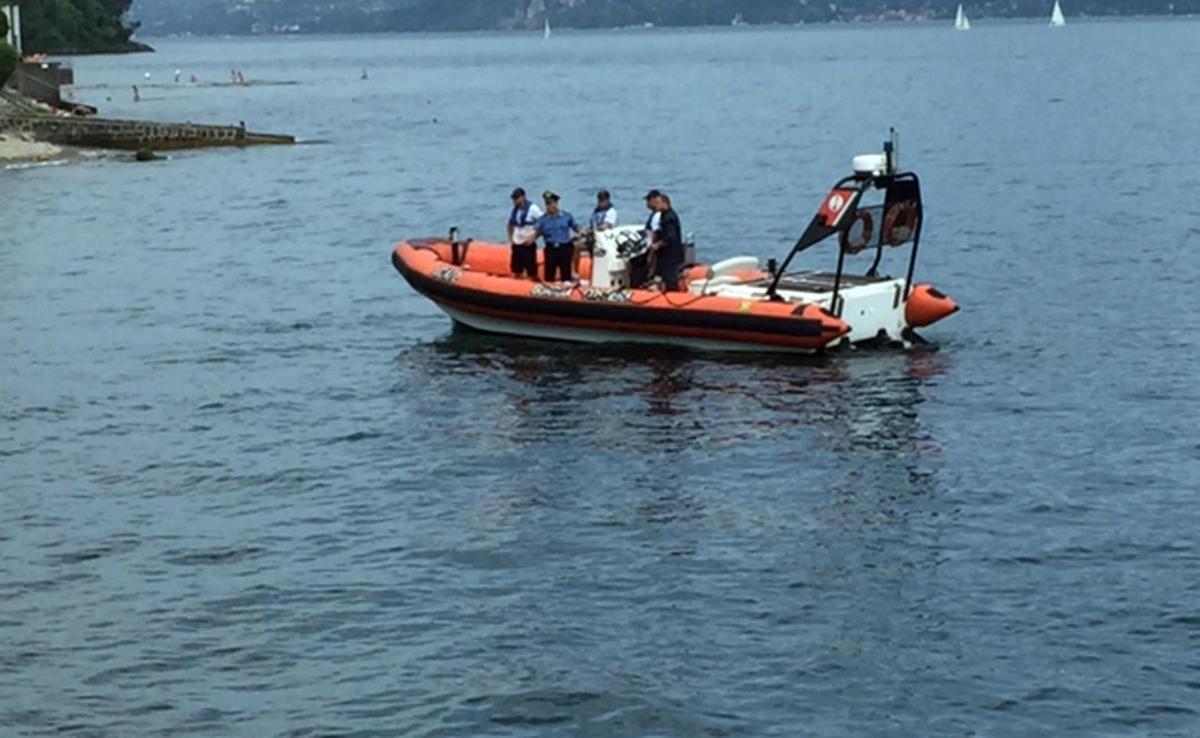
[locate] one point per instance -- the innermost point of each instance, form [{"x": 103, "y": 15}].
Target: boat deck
[{"x": 819, "y": 282}]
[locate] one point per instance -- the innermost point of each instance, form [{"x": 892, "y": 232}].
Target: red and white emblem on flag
[{"x": 834, "y": 206}]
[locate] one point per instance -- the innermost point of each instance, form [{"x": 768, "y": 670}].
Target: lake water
[{"x": 252, "y": 485}]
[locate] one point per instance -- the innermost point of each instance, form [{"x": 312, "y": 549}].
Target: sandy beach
[{"x": 16, "y": 149}]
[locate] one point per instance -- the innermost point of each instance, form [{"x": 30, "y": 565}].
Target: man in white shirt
[
  {"x": 642, "y": 267},
  {"x": 652, "y": 222},
  {"x": 522, "y": 236},
  {"x": 604, "y": 217}
]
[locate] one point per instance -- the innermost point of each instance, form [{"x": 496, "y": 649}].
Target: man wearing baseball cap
[
  {"x": 667, "y": 245},
  {"x": 652, "y": 222},
  {"x": 522, "y": 236},
  {"x": 604, "y": 217},
  {"x": 641, "y": 267}
]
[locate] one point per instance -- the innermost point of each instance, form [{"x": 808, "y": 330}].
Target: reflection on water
[
  {"x": 690, "y": 438},
  {"x": 868, "y": 401},
  {"x": 820, "y": 470},
  {"x": 671, "y": 378},
  {"x": 705, "y": 444}
]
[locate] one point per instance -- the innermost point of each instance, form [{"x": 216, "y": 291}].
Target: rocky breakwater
[{"x": 135, "y": 135}]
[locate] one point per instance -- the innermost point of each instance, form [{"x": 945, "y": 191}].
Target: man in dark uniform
[{"x": 668, "y": 246}]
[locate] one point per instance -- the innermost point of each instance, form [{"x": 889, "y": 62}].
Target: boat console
[{"x": 619, "y": 254}]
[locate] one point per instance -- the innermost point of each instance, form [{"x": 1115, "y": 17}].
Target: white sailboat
[
  {"x": 1057, "y": 19},
  {"x": 960, "y": 20},
  {"x": 546, "y": 29}
]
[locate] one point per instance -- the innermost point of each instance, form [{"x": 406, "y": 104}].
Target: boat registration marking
[
  {"x": 447, "y": 274},
  {"x": 545, "y": 290},
  {"x": 596, "y": 294}
]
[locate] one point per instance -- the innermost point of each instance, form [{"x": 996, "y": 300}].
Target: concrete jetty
[{"x": 114, "y": 133}]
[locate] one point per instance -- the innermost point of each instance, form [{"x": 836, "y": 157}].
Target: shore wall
[
  {"x": 42, "y": 81},
  {"x": 109, "y": 133}
]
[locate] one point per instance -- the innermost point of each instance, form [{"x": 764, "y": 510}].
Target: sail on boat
[
  {"x": 960, "y": 20},
  {"x": 1057, "y": 19},
  {"x": 546, "y": 29}
]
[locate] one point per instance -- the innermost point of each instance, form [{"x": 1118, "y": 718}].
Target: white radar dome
[{"x": 875, "y": 164}]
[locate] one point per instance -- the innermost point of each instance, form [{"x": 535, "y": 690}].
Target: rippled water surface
[{"x": 253, "y": 485}]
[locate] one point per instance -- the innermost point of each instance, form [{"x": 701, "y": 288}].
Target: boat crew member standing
[
  {"x": 522, "y": 235},
  {"x": 558, "y": 229},
  {"x": 652, "y": 221},
  {"x": 604, "y": 217},
  {"x": 668, "y": 247},
  {"x": 642, "y": 267}
]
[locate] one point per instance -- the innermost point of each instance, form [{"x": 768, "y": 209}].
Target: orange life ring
[
  {"x": 868, "y": 230},
  {"x": 900, "y": 223}
]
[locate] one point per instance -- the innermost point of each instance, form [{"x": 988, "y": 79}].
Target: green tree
[
  {"x": 8, "y": 61},
  {"x": 76, "y": 26}
]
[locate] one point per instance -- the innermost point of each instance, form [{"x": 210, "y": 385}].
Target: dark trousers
[
  {"x": 667, "y": 266},
  {"x": 558, "y": 261},
  {"x": 523, "y": 260}
]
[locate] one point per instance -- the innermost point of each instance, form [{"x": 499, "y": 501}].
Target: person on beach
[
  {"x": 522, "y": 236},
  {"x": 136, "y": 96},
  {"x": 558, "y": 230}
]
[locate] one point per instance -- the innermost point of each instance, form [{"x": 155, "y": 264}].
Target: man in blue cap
[{"x": 558, "y": 230}]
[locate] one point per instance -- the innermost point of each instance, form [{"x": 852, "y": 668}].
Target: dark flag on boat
[
  {"x": 836, "y": 205},
  {"x": 840, "y": 203}
]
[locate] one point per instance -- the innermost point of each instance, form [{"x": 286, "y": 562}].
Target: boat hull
[
  {"x": 501, "y": 304},
  {"x": 507, "y": 327}
]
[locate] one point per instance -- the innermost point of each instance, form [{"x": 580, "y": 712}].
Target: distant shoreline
[
  {"x": 909, "y": 22},
  {"x": 133, "y": 47}
]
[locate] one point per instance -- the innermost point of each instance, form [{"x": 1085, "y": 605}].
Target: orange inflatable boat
[
  {"x": 734, "y": 304},
  {"x": 476, "y": 290}
]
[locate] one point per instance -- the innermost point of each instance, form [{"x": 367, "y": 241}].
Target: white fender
[
  {"x": 717, "y": 280},
  {"x": 733, "y": 264}
]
